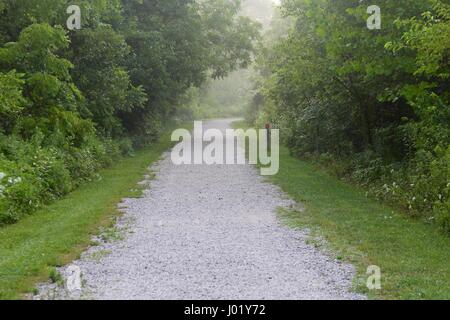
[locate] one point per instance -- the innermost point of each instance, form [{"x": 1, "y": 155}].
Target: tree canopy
[
  {"x": 71, "y": 100},
  {"x": 374, "y": 101}
]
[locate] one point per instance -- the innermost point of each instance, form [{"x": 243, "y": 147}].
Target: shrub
[
  {"x": 19, "y": 192},
  {"x": 126, "y": 146},
  {"x": 34, "y": 174}
]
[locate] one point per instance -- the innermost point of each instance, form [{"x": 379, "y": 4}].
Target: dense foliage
[
  {"x": 372, "y": 104},
  {"x": 72, "y": 101}
]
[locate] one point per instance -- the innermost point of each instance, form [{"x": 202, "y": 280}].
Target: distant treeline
[
  {"x": 72, "y": 101},
  {"x": 372, "y": 105}
]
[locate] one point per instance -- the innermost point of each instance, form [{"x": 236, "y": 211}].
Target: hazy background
[{"x": 228, "y": 97}]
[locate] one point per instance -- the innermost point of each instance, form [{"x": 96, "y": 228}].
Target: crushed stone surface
[{"x": 207, "y": 232}]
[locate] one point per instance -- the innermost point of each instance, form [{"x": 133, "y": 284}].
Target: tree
[{"x": 376, "y": 100}]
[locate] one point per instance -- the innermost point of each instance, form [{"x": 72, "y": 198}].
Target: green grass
[
  {"x": 31, "y": 249},
  {"x": 414, "y": 257}
]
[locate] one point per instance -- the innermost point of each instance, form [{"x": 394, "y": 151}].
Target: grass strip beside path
[
  {"x": 414, "y": 257},
  {"x": 59, "y": 233}
]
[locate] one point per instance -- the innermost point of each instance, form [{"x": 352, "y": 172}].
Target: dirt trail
[{"x": 209, "y": 232}]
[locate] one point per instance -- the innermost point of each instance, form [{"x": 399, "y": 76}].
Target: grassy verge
[
  {"x": 414, "y": 257},
  {"x": 56, "y": 235}
]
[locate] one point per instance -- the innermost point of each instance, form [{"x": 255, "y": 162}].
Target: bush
[
  {"x": 33, "y": 175},
  {"x": 19, "y": 192},
  {"x": 126, "y": 147}
]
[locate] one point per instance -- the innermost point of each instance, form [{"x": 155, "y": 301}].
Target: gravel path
[{"x": 209, "y": 232}]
